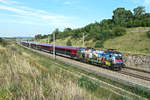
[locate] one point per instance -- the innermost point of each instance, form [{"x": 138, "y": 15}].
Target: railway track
[
  {"x": 139, "y": 70},
  {"x": 135, "y": 75}
]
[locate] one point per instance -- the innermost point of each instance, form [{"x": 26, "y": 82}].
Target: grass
[
  {"x": 71, "y": 68},
  {"x": 22, "y": 77},
  {"x": 136, "y": 43}
]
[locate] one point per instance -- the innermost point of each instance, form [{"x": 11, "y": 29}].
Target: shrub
[
  {"x": 119, "y": 31},
  {"x": 140, "y": 90},
  {"x": 69, "y": 43},
  {"x": 5, "y": 93},
  {"x": 99, "y": 44},
  {"x": 88, "y": 84},
  {"x": 148, "y": 34},
  {"x": 3, "y": 42}
]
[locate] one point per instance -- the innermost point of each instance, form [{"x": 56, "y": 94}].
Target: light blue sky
[{"x": 30, "y": 17}]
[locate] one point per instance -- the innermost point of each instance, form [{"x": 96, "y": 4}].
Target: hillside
[{"x": 134, "y": 41}]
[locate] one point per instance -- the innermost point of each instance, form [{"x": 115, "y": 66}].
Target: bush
[
  {"x": 119, "y": 31},
  {"x": 148, "y": 34},
  {"x": 99, "y": 44},
  {"x": 69, "y": 43},
  {"x": 140, "y": 90},
  {"x": 88, "y": 84},
  {"x": 3, "y": 42},
  {"x": 5, "y": 93}
]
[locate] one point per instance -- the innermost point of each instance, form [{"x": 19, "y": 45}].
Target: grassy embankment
[
  {"x": 29, "y": 75},
  {"x": 133, "y": 42},
  {"x": 23, "y": 78}
]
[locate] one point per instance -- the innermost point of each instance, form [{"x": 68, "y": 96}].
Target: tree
[
  {"x": 66, "y": 32},
  {"x": 121, "y": 16},
  {"x": 99, "y": 44},
  {"x": 3, "y": 42},
  {"x": 69, "y": 43},
  {"x": 119, "y": 31},
  {"x": 139, "y": 11},
  {"x": 148, "y": 34},
  {"x": 107, "y": 23},
  {"x": 67, "y": 29},
  {"x": 38, "y": 36},
  {"x": 56, "y": 32}
]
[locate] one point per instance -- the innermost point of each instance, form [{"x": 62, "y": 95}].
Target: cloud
[
  {"x": 67, "y": 3},
  {"x": 9, "y": 2},
  {"x": 37, "y": 16},
  {"x": 12, "y": 9},
  {"x": 142, "y": 2},
  {"x": 147, "y": 2}
]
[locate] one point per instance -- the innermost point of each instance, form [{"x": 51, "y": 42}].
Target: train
[{"x": 110, "y": 59}]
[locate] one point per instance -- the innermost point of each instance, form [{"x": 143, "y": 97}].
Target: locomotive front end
[{"x": 117, "y": 61}]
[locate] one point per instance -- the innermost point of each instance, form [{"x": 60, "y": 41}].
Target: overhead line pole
[
  {"x": 48, "y": 39},
  {"x": 54, "y": 56},
  {"x": 83, "y": 40}
]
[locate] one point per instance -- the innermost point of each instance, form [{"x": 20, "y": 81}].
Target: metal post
[
  {"x": 54, "y": 57},
  {"x": 83, "y": 41},
  {"x": 48, "y": 39}
]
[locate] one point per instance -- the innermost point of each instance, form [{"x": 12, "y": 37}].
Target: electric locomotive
[{"x": 109, "y": 58}]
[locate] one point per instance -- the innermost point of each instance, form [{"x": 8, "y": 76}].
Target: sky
[{"x": 31, "y": 17}]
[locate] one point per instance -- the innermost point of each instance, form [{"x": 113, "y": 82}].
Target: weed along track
[{"x": 90, "y": 71}]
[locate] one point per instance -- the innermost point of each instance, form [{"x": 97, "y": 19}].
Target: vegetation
[
  {"x": 88, "y": 84},
  {"x": 69, "y": 43},
  {"x": 119, "y": 31},
  {"x": 38, "y": 36},
  {"x": 148, "y": 34},
  {"x": 131, "y": 42},
  {"x": 140, "y": 90},
  {"x": 99, "y": 44},
  {"x": 3, "y": 42},
  {"x": 27, "y": 78}
]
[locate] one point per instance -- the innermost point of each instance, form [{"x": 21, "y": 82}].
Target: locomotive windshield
[{"x": 118, "y": 56}]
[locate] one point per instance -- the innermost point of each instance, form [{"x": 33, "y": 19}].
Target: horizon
[{"x": 28, "y": 18}]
